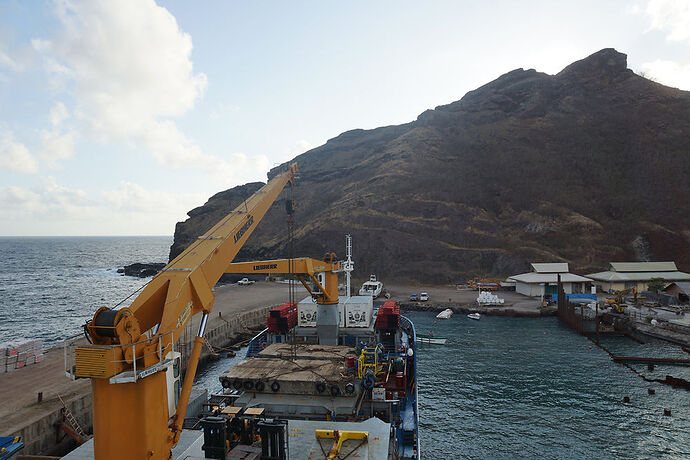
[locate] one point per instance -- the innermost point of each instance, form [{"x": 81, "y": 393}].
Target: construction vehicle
[
  {"x": 133, "y": 347},
  {"x": 617, "y": 304}
]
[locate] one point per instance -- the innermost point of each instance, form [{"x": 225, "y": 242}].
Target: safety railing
[{"x": 99, "y": 359}]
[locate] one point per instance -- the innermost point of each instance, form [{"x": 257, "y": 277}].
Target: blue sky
[{"x": 117, "y": 117}]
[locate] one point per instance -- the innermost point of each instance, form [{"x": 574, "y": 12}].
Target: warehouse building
[
  {"x": 627, "y": 275},
  {"x": 543, "y": 280}
]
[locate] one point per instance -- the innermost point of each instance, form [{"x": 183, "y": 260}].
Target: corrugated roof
[
  {"x": 643, "y": 266},
  {"x": 683, "y": 285},
  {"x": 639, "y": 276},
  {"x": 556, "y": 267},
  {"x": 535, "y": 278}
]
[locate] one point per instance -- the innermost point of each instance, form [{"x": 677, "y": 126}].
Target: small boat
[
  {"x": 445, "y": 314},
  {"x": 423, "y": 338},
  {"x": 371, "y": 287},
  {"x": 10, "y": 445},
  {"x": 474, "y": 315}
]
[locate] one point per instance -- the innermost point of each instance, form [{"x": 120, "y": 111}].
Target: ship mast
[{"x": 348, "y": 265}]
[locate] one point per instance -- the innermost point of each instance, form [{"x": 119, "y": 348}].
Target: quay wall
[{"x": 43, "y": 436}]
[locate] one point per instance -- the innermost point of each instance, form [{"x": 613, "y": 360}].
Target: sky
[{"x": 117, "y": 117}]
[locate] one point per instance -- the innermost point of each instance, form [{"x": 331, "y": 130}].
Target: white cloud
[
  {"x": 669, "y": 73},
  {"x": 7, "y": 61},
  {"x": 240, "y": 168},
  {"x": 299, "y": 148},
  {"x": 670, "y": 16},
  {"x": 58, "y": 143},
  {"x": 132, "y": 69},
  {"x": 135, "y": 198},
  {"x": 132, "y": 72},
  {"x": 16, "y": 199},
  {"x": 14, "y": 156},
  {"x": 48, "y": 208},
  {"x": 56, "y": 146},
  {"x": 46, "y": 200},
  {"x": 58, "y": 114}
]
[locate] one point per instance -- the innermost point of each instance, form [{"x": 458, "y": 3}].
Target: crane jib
[
  {"x": 265, "y": 267},
  {"x": 244, "y": 229}
]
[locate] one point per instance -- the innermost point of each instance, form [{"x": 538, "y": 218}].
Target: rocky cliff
[{"x": 587, "y": 166}]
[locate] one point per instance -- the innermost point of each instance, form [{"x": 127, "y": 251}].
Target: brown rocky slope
[{"x": 588, "y": 166}]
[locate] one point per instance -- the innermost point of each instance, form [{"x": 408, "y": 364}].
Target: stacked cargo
[
  {"x": 282, "y": 318},
  {"x": 19, "y": 353},
  {"x": 388, "y": 316}
]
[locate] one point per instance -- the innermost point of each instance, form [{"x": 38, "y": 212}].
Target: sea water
[
  {"x": 532, "y": 388},
  {"x": 49, "y": 287},
  {"x": 499, "y": 388}
]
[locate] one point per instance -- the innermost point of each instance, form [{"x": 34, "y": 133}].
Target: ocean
[
  {"x": 500, "y": 388},
  {"x": 49, "y": 287}
]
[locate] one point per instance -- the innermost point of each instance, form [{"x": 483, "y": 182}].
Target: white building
[
  {"x": 543, "y": 279},
  {"x": 626, "y": 275}
]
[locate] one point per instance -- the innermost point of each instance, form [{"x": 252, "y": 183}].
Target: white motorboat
[
  {"x": 474, "y": 315},
  {"x": 445, "y": 314},
  {"x": 371, "y": 287}
]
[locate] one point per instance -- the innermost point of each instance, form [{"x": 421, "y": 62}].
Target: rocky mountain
[{"x": 587, "y": 166}]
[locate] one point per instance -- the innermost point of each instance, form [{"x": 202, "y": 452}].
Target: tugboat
[{"x": 327, "y": 378}]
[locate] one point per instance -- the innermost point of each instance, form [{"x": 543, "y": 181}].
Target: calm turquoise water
[{"x": 528, "y": 388}]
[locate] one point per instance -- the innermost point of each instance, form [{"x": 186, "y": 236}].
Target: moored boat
[
  {"x": 373, "y": 287},
  {"x": 445, "y": 314},
  {"x": 475, "y": 316}
]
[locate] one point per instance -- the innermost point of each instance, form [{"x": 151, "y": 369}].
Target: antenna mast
[{"x": 349, "y": 264}]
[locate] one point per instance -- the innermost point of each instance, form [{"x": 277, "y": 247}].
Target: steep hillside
[{"x": 588, "y": 166}]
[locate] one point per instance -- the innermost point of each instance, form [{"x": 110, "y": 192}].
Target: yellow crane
[
  {"x": 322, "y": 273},
  {"x": 131, "y": 346},
  {"x": 324, "y": 290}
]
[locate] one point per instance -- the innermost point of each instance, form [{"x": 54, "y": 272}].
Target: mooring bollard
[
  {"x": 651, "y": 391},
  {"x": 667, "y": 412},
  {"x": 650, "y": 366},
  {"x": 626, "y": 399},
  {"x": 40, "y": 396}
]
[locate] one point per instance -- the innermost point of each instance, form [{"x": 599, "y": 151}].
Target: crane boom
[
  {"x": 325, "y": 290},
  {"x": 130, "y": 345}
]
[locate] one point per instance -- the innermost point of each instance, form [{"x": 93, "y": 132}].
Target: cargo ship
[{"x": 314, "y": 386}]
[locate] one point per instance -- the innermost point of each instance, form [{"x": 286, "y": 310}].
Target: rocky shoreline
[
  {"x": 140, "y": 270},
  {"x": 504, "y": 310}
]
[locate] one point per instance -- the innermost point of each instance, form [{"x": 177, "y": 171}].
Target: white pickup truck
[{"x": 245, "y": 282}]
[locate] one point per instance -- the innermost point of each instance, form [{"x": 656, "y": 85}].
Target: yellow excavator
[
  {"x": 617, "y": 303},
  {"x": 133, "y": 347}
]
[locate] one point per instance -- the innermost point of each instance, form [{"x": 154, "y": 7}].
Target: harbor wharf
[
  {"x": 463, "y": 300},
  {"x": 237, "y": 311}
]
